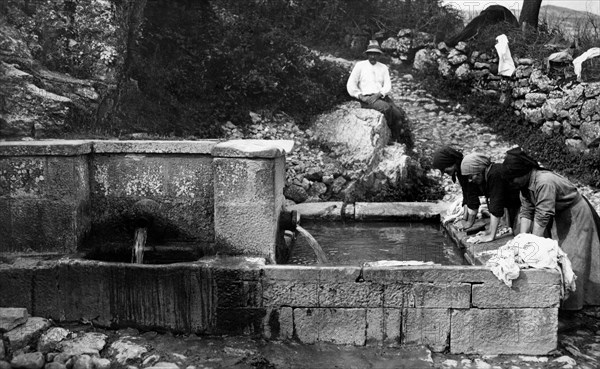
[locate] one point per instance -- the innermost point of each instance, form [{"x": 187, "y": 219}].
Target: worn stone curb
[{"x": 371, "y": 211}]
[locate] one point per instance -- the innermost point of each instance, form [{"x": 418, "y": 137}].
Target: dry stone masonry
[{"x": 555, "y": 104}]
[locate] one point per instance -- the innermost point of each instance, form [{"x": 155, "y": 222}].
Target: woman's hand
[{"x": 481, "y": 237}]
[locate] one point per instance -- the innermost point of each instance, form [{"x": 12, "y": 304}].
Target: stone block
[
  {"x": 12, "y": 317},
  {"x": 6, "y": 228},
  {"x": 46, "y": 148},
  {"x": 14, "y": 282},
  {"x": 299, "y": 273},
  {"x": 504, "y": 331},
  {"x": 246, "y": 321},
  {"x": 153, "y": 147},
  {"x": 320, "y": 210},
  {"x": 47, "y": 299},
  {"x": 398, "y": 211},
  {"x": 134, "y": 175},
  {"x": 341, "y": 274},
  {"x": 522, "y": 294},
  {"x": 67, "y": 178},
  {"x": 188, "y": 219},
  {"x": 288, "y": 293},
  {"x": 429, "y": 327},
  {"x": 22, "y": 177},
  {"x": 383, "y": 326},
  {"x": 339, "y": 326},
  {"x": 84, "y": 292},
  {"x": 441, "y": 295},
  {"x": 253, "y": 148},
  {"x": 286, "y": 323},
  {"x": 428, "y": 274},
  {"x": 350, "y": 294},
  {"x": 248, "y": 229},
  {"x": 238, "y": 293},
  {"x": 246, "y": 181},
  {"x": 44, "y": 225},
  {"x": 235, "y": 268},
  {"x": 397, "y": 295},
  {"x": 248, "y": 202},
  {"x": 152, "y": 296},
  {"x": 189, "y": 177}
]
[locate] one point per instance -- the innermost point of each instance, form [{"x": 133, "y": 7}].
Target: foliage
[
  {"x": 209, "y": 65},
  {"x": 79, "y": 37},
  {"x": 333, "y": 24}
]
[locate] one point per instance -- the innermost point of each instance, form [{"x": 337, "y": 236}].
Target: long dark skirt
[{"x": 577, "y": 232}]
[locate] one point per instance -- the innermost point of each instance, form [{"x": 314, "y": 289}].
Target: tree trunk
[{"x": 530, "y": 13}]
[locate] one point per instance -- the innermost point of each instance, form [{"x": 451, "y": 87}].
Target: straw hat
[{"x": 373, "y": 47}]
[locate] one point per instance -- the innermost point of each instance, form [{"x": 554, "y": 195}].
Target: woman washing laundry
[
  {"x": 488, "y": 177},
  {"x": 448, "y": 160},
  {"x": 547, "y": 197}
]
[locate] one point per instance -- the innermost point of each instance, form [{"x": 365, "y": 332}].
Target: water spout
[
  {"x": 144, "y": 214},
  {"x": 137, "y": 255},
  {"x": 321, "y": 256}
]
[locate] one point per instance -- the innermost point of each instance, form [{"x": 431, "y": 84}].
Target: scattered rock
[
  {"x": 12, "y": 317},
  {"x": 34, "y": 360},
  {"x": 26, "y": 332}
]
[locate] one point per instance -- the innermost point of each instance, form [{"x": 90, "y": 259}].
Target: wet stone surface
[{"x": 84, "y": 346}]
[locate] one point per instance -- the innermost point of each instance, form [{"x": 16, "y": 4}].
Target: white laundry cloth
[
  {"x": 506, "y": 65},
  {"x": 455, "y": 211},
  {"x": 591, "y": 53},
  {"x": 529, "y": 251}
]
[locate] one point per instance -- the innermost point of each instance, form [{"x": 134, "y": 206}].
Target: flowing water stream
[
  {"x": 137, "y": 255},
  {"x": 314, "y": 245}
]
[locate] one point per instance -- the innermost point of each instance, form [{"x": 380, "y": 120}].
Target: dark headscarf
[
  {"x": 517, "y": 163},
  {"x": 447, "y": 157}
]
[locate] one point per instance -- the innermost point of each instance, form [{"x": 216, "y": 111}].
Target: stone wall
[
  {"x": 60, "y": 196},
  {"x": 558, "y": 106},
  {"x": 456, "y": 309}
]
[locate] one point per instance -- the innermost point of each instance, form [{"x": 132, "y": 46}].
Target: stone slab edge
[
  {"x": 45, "y": 147},
  {"x": 415, "y": 211},
  {"x": 153, "y": 147},
  {"x": 253, "y": 148}
]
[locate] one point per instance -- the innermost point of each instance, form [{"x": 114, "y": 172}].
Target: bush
[{"x": 203, "y": 66}]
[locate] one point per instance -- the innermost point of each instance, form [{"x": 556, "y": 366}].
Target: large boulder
[
  {"x": 354, "y": 133},
  {"x": 359, "y": 141}
]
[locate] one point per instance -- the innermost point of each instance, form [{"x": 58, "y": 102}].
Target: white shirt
[{"x": 367, "y": 79}]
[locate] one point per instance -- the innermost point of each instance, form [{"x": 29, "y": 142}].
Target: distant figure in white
[{"x": 370, "y": 84}]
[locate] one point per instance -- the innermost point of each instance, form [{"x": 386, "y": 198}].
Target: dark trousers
[{"x": 395, "y": 118}]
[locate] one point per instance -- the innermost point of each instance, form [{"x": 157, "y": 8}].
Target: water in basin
[{"x": 358, "y": 242}]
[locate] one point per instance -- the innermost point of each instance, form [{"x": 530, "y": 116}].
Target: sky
[{"x": 478, "y": 5}]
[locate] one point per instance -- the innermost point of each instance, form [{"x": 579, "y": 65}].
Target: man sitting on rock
[{"x": 370, "y": 83}]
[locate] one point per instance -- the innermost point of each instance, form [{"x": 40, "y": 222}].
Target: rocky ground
[{"x": 435, "y": 123}]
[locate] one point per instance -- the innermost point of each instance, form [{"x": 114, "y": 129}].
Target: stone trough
[{"x": 225, "y": 200}]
